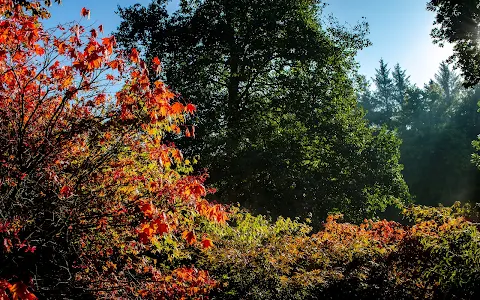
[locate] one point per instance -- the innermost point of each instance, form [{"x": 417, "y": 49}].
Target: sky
[
  {"x": 399, "y": 30},
  {"x": 400, "y": 33}
]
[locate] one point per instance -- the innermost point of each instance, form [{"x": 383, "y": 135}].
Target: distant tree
[
  {"x": 383, "y": 100},
  {"x": 450, "y": 85},
  {"x": 435, "y": 128},
  {"x": 401, "y": 83}
]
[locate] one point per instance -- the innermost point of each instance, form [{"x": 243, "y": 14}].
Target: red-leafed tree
[{"x": 93, "y": 201}]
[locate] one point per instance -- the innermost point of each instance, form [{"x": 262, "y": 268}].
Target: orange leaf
[
  {"x": 109, "y": 43},
  {"x": 66, "y": 191},
  {"x": 190, "y": 237},
  {"x": 134, "y": 56},
  {"x": 100, "y": 99},
  {"x": 20, "y": 292},
  {"x": 39, "y": 50},
  {"x": 207, "y": 243},
  {"x": 177, "y": 108}
]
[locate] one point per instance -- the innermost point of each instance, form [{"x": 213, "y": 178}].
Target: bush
[{"x": 435, "y": 257}]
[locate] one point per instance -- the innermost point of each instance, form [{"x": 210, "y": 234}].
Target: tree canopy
[
  {"x": 278, "y": 127},
  {"x": 457, "y": 23}
]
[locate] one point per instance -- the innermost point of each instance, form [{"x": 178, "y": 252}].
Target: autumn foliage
[
  {"x": 96, "y": 201},
  {"x": 91, "y": 191},
  {"x": 437, "y": 257}
]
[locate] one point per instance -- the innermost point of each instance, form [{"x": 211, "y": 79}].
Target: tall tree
[
  {"x": 384, "y": 100},
  {"x": 401, "y": 84},
  {"x": 274, "y": 89},
  {"x": 450, "y": 85}
]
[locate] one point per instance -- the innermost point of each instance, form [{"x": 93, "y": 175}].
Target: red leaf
[
  {"x": 7, "y": 245},
  {"x": 148, "y": 209},
  {"x": 161, "y": 227},
  {"x": 157, "y": 65},
  {"x": 4, "y": 285},
  {"x": 207, "y": 243},
  {"x": 85, "y": 13},
  {"x": 66, "y": 191},
  {"x": 191, "y": 108},
  {"x": 31, "y": 249},
  {"x": 190, "y": 237},
  {"x": 3, "y": 294},
  {"x": 93, "y": 32},
  {"x": 134, "y": 56}
]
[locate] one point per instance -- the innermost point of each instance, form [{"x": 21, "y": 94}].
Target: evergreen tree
[
  {"x": 384, "y": 101},
  {"x": 450, "y": 85},
  {"x": 401, "y": 84}
]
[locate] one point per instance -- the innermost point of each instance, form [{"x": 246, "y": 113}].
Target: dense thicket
[
  {"x": 437, "y": 124},
  {"x": 278, "y": 127}
]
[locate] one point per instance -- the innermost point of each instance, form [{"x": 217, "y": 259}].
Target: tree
[
  {"x": 456, "y": 23},
  {"x": 450, "y": 86},
  {"x": 93, "y": 200},
  {"x": 435, "y": 138},
  {"x": 274, "y": 90},
  {"x": 384, "y": 104},
  {"x": 436, "y": 141},
  {"x": 402, "y": 85},
  {"x": 384, "y": 96}
]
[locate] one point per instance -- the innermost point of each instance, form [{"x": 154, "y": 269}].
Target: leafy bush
[{"x": 436, "y": 257}]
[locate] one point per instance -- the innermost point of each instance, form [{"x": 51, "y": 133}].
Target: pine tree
[{"x": 385, "y": 101}]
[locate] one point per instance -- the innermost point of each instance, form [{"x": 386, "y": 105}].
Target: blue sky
[
  {"x": 400, "y": 33},
  {"x": 399, "y": 30}
]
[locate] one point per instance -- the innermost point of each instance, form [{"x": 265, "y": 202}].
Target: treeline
[{"x": 436, "y": 123}]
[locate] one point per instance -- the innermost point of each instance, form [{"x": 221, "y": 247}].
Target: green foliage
[
  {"x": 456, "y": 23},
  {"x": 436, "y": 125},
  {"x": 278, "y": 126}
]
